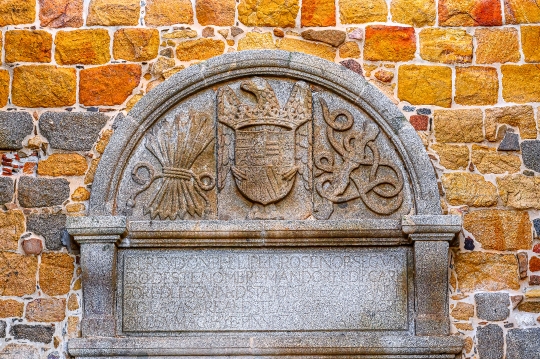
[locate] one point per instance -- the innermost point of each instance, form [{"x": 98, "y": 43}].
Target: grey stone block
[
  {"x": 72, "y": 131},
  {"x": 536, "y": 224},
  {"x": 19, "y": 351},
  {"x": 531, "y": 154},
  {"x": 14, "y": 127},
  {"x": 492, "y": 306},
  {"x": 42, "y": 192},
  {"x": 50, "y": 226},
  {"x": 6, "y": 190},
  {"x": 490, "y": 342},
  {"x": 510, "y": 142},
  {"x": 34, "y": 333},
  {"x": 523, "y": 344},
  {"x": 3, "y": 326}
]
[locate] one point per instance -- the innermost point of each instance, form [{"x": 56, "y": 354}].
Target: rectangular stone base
[{"x": 238, "y": 346}]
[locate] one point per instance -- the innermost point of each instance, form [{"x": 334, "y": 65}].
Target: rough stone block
[
  {"x": 520, "y": 191},
  {"x": 476, "y": 86},
  {"x": 33, "y": 333},
  {"x": 87, "y": 47},
  {"x": 470, "y": 13},
  {"x": 17, "y": 351},
  {"x": 113, "y": 12},
  {"x": 46, "y": 310},
  {"x": 200, "y": 49},
  {"x": 425, "y": 85},
  {"x": 488, "y": 160},
  {"x": 478, "y": 271},
  {"x": 463, "y": 311},
  {"x": 389, "y": 43},
  {"x": 510, "y": 142},
  {"x": 44, "y": 86},
  {"x": 279, "y": 13},
  {"x": 470, "y": 189},
  {"x": 215, "y": 12},
  {"x": 530, "y": 43},
  {"x": 521, "y": 117},
  {"x": 28, "y": 46},
  {"x": 492, "y": 306},
  {"x": 72, "y": 131},
  {"x": 418, "y": 13},
  {"x": 55, "y": 273},
  {"x": 256, "y": 41},
  {"x": 14, "y": 127},
  {"x": 360, "y": 12},
  {"x": 531, "y": 154},
  {"x": 521, "y": 11},
  {"x": 168, "y": 12},
  {"x": 108, "y": 85},
  {"x": 452, "y": 157},
  {"x": 42, "y": 192},
  {"x": 523, "y": 343},
  {"x": 490, "y": 342},
  {"x": 15, "y": 12},
  {"x": 11, "y": 308},
  {"x": 11, "y": 227},
  {"x": 534, "y": 264},
  {"x": 4, "y": 87},
  {"x": 458, "y": 125},
  {"x": 448, "y": 46},
  {"x": 62, "y": 164},
  {"x": 521, "y": 83},
  {"x": 330, "y": 37},
  {"x": 318, "y": 13},
  {"x": 17, "y": 274},
  {"x": 136, "y": 44},
  {"x": 497, "y": 45},
  {"x": 320, "y": 50},
  {"x": 351, "y": 49},
  {"x": 6, "y": 190},
  {"x": 61, "y": 13},
  {"x": 50, "y": 226}
]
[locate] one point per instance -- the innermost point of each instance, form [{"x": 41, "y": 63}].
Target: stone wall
[{"x": 464, "y": 72}]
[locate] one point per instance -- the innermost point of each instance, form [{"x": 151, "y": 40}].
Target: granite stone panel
[
  {"x": 490, "y": 342},
  {"x": 42, "y": 192},
  {"x": 33, "y": 333},
  {"x": 523, "y": 343},
  {"x": 6, "y": 190},
  {"x": 531, "y": 154},
  {"x": 50, "y": 226},
  {"x": 492, "y": 306},
  {"x": 14, "y": 127}
]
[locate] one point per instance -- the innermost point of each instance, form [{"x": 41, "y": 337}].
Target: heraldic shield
[{"x": 263, "y": 161}]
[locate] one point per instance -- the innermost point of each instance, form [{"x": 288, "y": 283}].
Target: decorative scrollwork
[{"x": 381, "y": 191}]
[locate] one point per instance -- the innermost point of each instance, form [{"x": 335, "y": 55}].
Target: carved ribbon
[{"x": 334, "y": 181}]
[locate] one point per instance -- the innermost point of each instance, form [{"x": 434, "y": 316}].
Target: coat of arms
[{"x": 258, "y": 144}]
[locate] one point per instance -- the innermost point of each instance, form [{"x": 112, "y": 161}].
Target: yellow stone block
[
  {"x": 62, "y": 164},
  {"x": 318, "y": 13},
  {"x": 521, "y": 117},
  {"x": 15, "y": 12},
  {"x": 349, "y": 49},
  {"x": 418, "y": 13},
  {"x": 448, "y": 46},
  {"x": 11, "y": 308},
  {"x": 279, "y": 13},
  {"x": 425, "y": 85},
  {"x": 360, "y": 12},
  {"x": 12, "y": 225},
  {"x": 521, "y": 11},
  {"x": 463, "y": 188},
  {"x": 28, "y": 46},
  {"x": 200, "y": 49},
  {"x": 113, "y": 12},
  {"x": 87, "y": 47},
  {"x": 488, "y": 160},
  {"x": 476, "y": 86},
  {"x": 320, "y": 50},
  {"x": 458, "y": 125},
  {"x": 389, "y": 43},
  {"x": 17, "y": 274},
  {"x": 55, "y": 273},
  {"x": 530, "y": 43},
  {"x": 80, "y": 194},
  {"x": 257, "y": 41},
  {"x": 521, "y": 84},
  {"x": 136, "y": 44},
  {"x": 452, "y": 157},
  {"x": 520, "y": 191},
  {"x": 480, "y": 271},
  {"x": 215, "y": 12},
  {"x": 168, "y": 12},
  {"x": 496, "y": 45},
  {"x": 4, "y": 87}
]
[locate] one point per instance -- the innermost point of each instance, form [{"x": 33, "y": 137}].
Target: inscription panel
[{"x": 264, "y": 290}]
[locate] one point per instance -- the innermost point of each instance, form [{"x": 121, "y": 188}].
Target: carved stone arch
[{"x": 265, "y": 160}]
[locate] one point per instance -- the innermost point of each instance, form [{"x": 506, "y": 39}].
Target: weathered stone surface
[
  {"x": 497, "y": 45},
  {"x": 81, "y": 194},
  {"x": 72, "y": 131},
  {"x": 46, "y": 310},
  {"x": 320, "y": 50},
  {"x": 215, "y": 12},
  {"x": 61, "y": 13},
  {"x": 492, "y": 306},
  {"x": 510, "y": 142},
  {"x": 200, "y": 49},
  {"x": 517, "y": 116},
  {"x": 530, "y": 43},
  {"x": 458, "y": 125},
  {"x": 534, "y": 280},
  {"x": 470, "y": 189},
  {"x": 18, "y": 351},
  {"x": 15, "y": 12},
  {"x": 500, "y": 230},
  {"x": 490, "y": 342},
  {"x": 42, "y": 192},
  {"x": 523, "y": 343},
  {"x": 62, "y": 164},
  {"x": 33, "y": 333},
  {"x": 331, "y": 37},
  {"x": 387, "y": 76},
  {"x": 6, "y": 190},
  {"x": 17, "y": 274},
  {"x": 168, "y": 12},
  {"x": 318, "y": 13},
  {"x": 478, "y": 271},
  {"x": 354, "y": 12},
  {"x": 108, "y": 85},
  {"x": 113, "y": 12},
  {"x": 389, "y": 43},
  {"x": 476, "y": 86},
  {"x": 4, "y": 87},
  {"x": 43, "y": 86},
  {"x": 425, "y": 85},
  {"x": 89, "y": 178},
  {"x": 353, "y": 66},
  {"x": 279, "y": 13},
  {"x": 73, "y": 302},
  {"x": 521, "y": 11},
  {"x": 50, "y": 226},
  {"x": 531, "y": 154},
  {"x": 418, "y": 13},
  {"x": 28, "y": 46},
  {"x": 351, "y": 49},
  {"x": 488, "y": 160},
  {"x": 529, "y": 306},
  {"x": 514, "y": 76},
  {"x": 32, "y": 246},
  {"x": 12, "y": 225},
  {"x": 534, "y": 265},
  {"x": 452, "y": 157},
  {"x": 462, "y": 311},
  {"x": 14, "y": 127},
  {"x": 470, "y": 13},
  {"x": 136, "y": 44},
  {"x": 55, "y": 273},
  {"x": 11, "y": 308},
  {"x": 519, "y": 191},
  {"x": 448, "y": 46},
  {"x": 87, "y": 47},
  {"x": 256, "y": 41}
]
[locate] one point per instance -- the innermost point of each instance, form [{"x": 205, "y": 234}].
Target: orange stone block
[
  {"x": 534, "y": 264},
  {"x": 476, "y": 86},
  {"x": 200, "y": 49},
  {"x": 360, "y": 12},
  {"x": 530, "y": 43},
  {"x": 389, "y": 43},
  {"x": 108, "y": 85},
  {"x": 11, "y": 308},
  {"x": 28, "y": 46},
  {"x": 521, "y": 11},
  {"x": 215, "y": 12},
  {"x": 4, "y": 87},
  {"x": 61, "y": 13},
  {"x": 168, "y": 12},
  {"x": 521, "y": 84},
  {"x": 279, "y": 13},
  {"x": 470, "y": 13},
  {"x": 17, "y": 274},
  {"x": 136, "y": 44},
  {"x": 425, "y": 85},
  {"x": 497, "y": 45},
  {"x": 55, "y": 273},
  {"x": 62, "y": 164},
  {"x": 15, "y": 12},
  {"x": 88, "y": 47},
  {"x": 113, "y": 12},
  {"x": 318, "y": 13}
]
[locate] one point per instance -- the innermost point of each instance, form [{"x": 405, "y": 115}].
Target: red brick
[{"x": 419, "y": 122}]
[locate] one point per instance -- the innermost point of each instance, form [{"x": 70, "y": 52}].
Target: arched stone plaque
[{"x": 265, "y": 203}]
